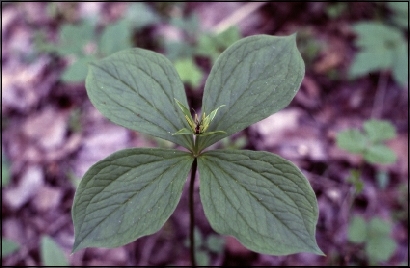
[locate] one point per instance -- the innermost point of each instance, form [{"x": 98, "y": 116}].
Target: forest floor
[{"x": 51, "y": 133}]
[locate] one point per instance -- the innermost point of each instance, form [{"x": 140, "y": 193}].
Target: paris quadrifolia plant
[{"x": 261, "y": 199}]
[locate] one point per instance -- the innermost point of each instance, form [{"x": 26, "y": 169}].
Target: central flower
[{"x": 198, "y": 127}]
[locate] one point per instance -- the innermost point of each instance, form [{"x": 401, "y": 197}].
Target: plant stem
[
  {"x": 196, "y": 141},
  {"x": 379, "y": 98},
  {"x": 191, "y": 212}
]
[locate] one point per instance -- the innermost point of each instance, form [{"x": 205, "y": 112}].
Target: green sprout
[{"x": 198, "y": 127}]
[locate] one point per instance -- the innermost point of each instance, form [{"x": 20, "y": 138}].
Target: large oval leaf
[
  {"x": 135, "y": 88},
  {"x": 259, "y": 198},
  {"x": 254, "y": 78},
  {"x": 128, "y": 195}
]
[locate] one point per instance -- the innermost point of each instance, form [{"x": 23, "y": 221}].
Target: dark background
[{"x": 51, "y": 134}]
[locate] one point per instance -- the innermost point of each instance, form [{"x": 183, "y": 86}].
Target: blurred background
[{"x": 347, "y": 128}]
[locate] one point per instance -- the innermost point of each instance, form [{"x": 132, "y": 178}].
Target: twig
[
  {"x": 378, "y": 99},
  {"x": 237, "y": 16}
]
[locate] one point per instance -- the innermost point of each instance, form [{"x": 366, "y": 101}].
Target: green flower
[{"x": 198, "y": 127}]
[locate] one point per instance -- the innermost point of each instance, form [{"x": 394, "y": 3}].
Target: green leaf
[
  {"x": 399, "y": 7},
  {"x": 207, "y": 47},
  {"x": 378, "y": 227},
  {"x": 51, "y": 253},
  {"x": 211, "y": 116},
  {"x": 215, "y": 243},
  {"x": 189, "y": 23},
  {"x": 8, "y": 247},
  {"x": 379, "y": 245},
  {"x": 188, "y": 118},
  {"x": 352, "y": 141},
  {"x": 357, "y": 229},
  {"x": 202, "y": 258},
  {"x": 259, "y": 198},
  {"x": 41, "y": 43},
  {"x": 212, "y": 45},
  {"x": 228, "y": 37},
  {"x": 183, "y": 131},
  {"x": 135, "y": 88},
  {"x": 379, "y": 130},
  {"x": 207, "y": 119},
  {"x": 379, "y": 153},
  {"x": 189, "y": 72},
  {"x": 380, "y": 248},
  {"x": 141, "y": 15},
  {"x": 401, "y": 13},
  {"x": 73, "y": 38},
  {"x": 197, "y": 237},
  {"x": 198, "y": 240},
  {"x": 185, "y": 110},
  {"x": 367, "y": 62},
  {"x": 254, "y": 78},
  {"x": 5, "y": 170},
  {"x": 211, "y": 133},
  {"x": 376, "y": 37},
  {"x": 128, "y": 195},
  {"x": 382, "y": 47},
  {"x": 116, "y": 37},
  {"x": 78, "y": 70},
  {"x": 175, "y": 50},
  {"x": 401, "y": 64}
]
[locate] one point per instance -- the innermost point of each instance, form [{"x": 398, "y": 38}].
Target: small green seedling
[
  {"x": 381, "y": 47},
  {"x": 258, "y": 197},
  {"x": 188, "y": 71},
  {"x": 376, "y": 236},
  {"x": 51, "y": 253},
  {"x": 370, "y": 146},
  {"x": 8, "y": 247},
  {"x": 204, "y": 247},
  {"x": 370, "y": 143},
  {"x": 74, "y": 39},
  {"x": 212, "y": 44},
  {"x": 196, "y": 43}
]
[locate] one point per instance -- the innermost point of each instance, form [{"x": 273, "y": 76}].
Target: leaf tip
[
  {"x": 74, "y": 249},
  {"x": 294, "y": 35},
  {"x": 318, "y": 251},
  {"x": 77, "y": 246},
  {"x": 315, "y": 249}
]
